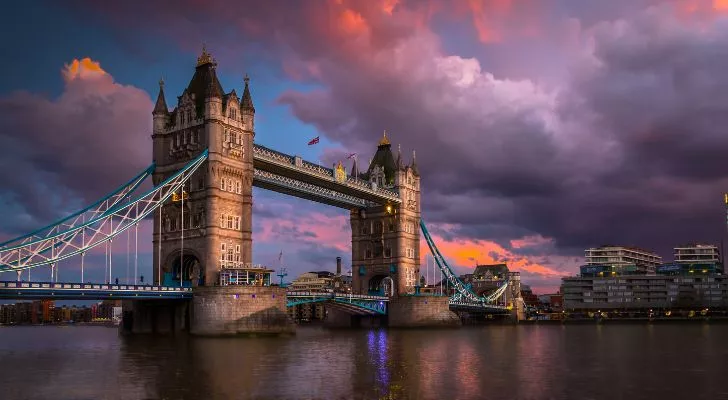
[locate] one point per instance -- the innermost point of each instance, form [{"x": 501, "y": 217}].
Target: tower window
[
  {"x": 368, "y": 253},
  {"x": 238, "y": 187},
  {"x": 222, "y": 184},
  {"x": 387, "y": 252},
  {"x": 237, "y": 223},
  {"x": 230, "y": 222}
]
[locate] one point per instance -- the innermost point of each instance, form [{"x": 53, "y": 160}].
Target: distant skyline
[{"x": 542, "y": 127}]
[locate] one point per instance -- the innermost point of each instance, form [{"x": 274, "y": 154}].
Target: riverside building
[{"x": 695, "y": 279}]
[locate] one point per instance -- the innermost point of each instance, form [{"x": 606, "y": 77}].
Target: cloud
[
  {"x": 621, "y": 145},
  {"x": 62, "y": 153}
]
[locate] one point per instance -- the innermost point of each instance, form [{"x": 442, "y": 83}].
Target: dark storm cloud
[
  {"x": 627, "y": 150},
  {"x": 62, "y": 154}
]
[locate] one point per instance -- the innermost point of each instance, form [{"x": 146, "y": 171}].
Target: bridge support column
[
  {"x": 154, "y": 316},
  {"x": 421, "y": 312},
  {"x": 234, "y": 310},
  {"x": 337, "y": 318}
]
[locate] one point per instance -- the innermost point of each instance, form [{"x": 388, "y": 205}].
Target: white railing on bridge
[
  {"x": 331, "y": 293},
  {"x": 90, "y": 286}
]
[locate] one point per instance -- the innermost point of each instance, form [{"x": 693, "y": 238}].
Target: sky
[{"x": 542, "y": 127}]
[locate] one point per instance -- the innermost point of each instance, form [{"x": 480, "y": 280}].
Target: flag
[
  {"x": 280, "y": 256},
  {"x": 350, "y": 155},
  {"x": 314, "y": 141}
]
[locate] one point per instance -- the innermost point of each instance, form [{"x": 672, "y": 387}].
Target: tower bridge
[{"x": 205, "y": 164}]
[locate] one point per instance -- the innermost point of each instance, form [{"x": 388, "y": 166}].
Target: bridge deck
[{"x": 88, "y": 291}]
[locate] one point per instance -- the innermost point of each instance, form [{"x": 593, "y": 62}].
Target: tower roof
[
  {"x": 204, "y": 82},
  {"x": 161, "y": 106},
  {"x": 384, "y": 158},
  {"x": 247, "y": 102}
]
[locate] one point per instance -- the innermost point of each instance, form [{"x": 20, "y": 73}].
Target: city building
[
  {"x": 621, "y": 256},
  {"x": 312, "y": 282},
  {"x": 645, "y": 291},
  {"x": 697, "y": 254}
]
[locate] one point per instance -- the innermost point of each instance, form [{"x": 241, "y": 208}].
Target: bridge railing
[
  {"x": 90, "y": 286},
  {"x": 337, "y": 295},
  {"x": 323, "y": 172}
]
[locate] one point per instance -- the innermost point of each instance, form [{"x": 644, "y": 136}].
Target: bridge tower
[
  {"x": 386, "y": 239},
  {"x": 217, "y": 222}
]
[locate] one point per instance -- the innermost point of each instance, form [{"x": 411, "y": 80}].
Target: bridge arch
[
  {"x": 192, "y": 269},
  {"x": 382, "y": 285}
]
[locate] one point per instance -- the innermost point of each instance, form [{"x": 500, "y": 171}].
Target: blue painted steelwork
[
  {"x": 464, "y": 293},
  {"x": 89, "y": 291},
  {"x": 358, "y": 188},
  {"x": 269, "y": 180},
  {"x": 100, "y": 207},
  {"x": 358, "y": 303},
  {"x": 79, "y": 239}
]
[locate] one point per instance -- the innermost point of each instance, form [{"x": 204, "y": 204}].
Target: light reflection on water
[{"x": 494, "y": 362}]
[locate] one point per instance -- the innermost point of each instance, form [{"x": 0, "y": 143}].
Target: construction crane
[{"x": 283, "y": 273}]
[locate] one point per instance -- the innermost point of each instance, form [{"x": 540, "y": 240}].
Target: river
[{"x": 684, "y": 361}]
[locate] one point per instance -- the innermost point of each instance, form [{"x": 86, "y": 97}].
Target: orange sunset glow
[{"x": 85, "y": 67}]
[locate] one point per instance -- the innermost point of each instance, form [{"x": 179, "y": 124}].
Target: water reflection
[{"x": 496, "y": 362}]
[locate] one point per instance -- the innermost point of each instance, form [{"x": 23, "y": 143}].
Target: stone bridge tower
[
  {"x": 385, "y": 240},
  {"x": 217, "y": 221}
]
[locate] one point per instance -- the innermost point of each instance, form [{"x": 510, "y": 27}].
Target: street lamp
[{"x": 351, "y": 283}]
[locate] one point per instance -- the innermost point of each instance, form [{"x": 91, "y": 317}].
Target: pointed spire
[
  {"x": 205, "y": 57},
  {"x": 413, "y": 165},
  {"x": 399, "y": 157},
  {"x": 384, "y": 141},
  {"x": 161, "y": 106},
  {"x": 246, "y": 103},
  {"x": 354, "y": 169}
]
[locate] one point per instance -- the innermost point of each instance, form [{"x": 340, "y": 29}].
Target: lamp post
[{"x": 351, "y": 282}]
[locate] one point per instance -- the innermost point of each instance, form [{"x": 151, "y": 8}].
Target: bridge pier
[
  {"x": 421, "y": 312},
  {"x": 235, "y": 310},
  {"x": 338, "y": 318},
  {"x": 163, "y": 317}
]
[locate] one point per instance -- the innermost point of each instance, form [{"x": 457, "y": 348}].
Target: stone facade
[
  {"x": 234, "y": 310},
  {"x": 217, "y": 200},
  {"x": 422, "y": 311},
  {"x": 385, "y": 240}
]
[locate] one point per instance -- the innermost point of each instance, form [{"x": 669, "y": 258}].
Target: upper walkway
[{"x": 292, "y": 175}]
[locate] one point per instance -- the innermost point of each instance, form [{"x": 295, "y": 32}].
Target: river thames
[{"x": 492, "y": 362}]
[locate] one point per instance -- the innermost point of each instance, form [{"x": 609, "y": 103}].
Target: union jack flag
[{"x": 314, "y": 141}]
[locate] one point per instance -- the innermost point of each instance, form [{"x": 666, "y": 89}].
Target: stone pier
[
  {"x": 338, "y": 318},
  {"x": 235, "y": 310},
  {"x": 154, "y": 316},
  {"x": 421, "y": 312}
]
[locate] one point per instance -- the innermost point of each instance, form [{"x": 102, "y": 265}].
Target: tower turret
[
  {"x": 413, "y": 164},
  {"x": 161, "y": 112},
  {"x": 247, "y": 110}
]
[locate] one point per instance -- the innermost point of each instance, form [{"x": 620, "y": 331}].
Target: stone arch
[
  {"x": 193, "y": 271},
  {"x": 382, "y": 285}
]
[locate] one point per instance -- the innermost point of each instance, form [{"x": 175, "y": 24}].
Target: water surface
[{"x": 493, "y": 362}]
